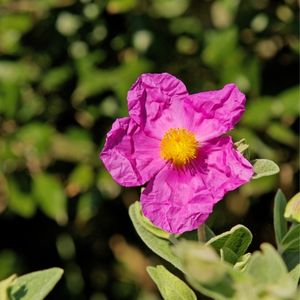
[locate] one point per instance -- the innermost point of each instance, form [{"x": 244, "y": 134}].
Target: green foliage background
[{"x": 65, "y": 69}]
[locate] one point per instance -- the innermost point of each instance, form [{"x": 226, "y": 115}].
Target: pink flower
[{"x": 175, "y": 143}]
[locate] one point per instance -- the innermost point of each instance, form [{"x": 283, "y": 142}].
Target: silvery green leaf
[
  {"x": 266, "y": 266},
  {"x": 264, "y": 167},
  {"x": 154, "y": 241},
  {"x": 170, "y": 286},
  {"x": 36, "y": 285}
]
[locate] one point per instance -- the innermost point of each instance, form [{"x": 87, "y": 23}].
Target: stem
[
  {"x": 173, "y": 239},
  {"x": 201, "y": 233}
]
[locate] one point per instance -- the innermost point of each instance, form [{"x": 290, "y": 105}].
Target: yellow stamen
[{"x": 179, "y": 145}]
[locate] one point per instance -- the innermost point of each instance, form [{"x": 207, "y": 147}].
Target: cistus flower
[{"x": 175, "y": 143}]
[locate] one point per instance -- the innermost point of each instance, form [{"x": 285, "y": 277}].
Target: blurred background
[{"x": 65, "y": 69}]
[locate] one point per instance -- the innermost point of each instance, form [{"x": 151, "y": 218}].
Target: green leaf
[
  {"x": 291, "y": 241},
  {"x": 20, "y": 202},
  {"x": 36, "y": 285},
  {"x": 50, "y": 197},
  {"x": 54, "y": 78},
  {"x": 170, "y": 286},
  {"x": 196, "y": 257},
  {"x": 280, "y": 224},
  {"x": 287, "y": 102},
  {"x": 81, "y": 177},
  {"x": 257, "y": 114},
  {"x": 221, "y": 290},
  {"x": 282, "y": 134},
  {"x": 228, "y": 255},
  {"x": 242, "y": 262},
  {"x": 292, "y": 209},
  {"x": 219, "y": 45},
  {"x": 154, "y": 239},
  {"x": 295, "y": 275},
  {"x": 205, "y": 271},
  {"x": 120, "y": 6},
  {"x": 264, "y": 167},
  {"x": 266, "y": 267},
  {"x": 291, "y": 258},
  {"x": 269, "y": 274},
  {"x": 237, "y": 240}
]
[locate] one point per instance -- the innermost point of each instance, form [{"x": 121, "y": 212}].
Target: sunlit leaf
[
  {"x": 36, "y": 285},
  {"x": 5, "y": 285},
  {"x": 264, "y": 167}
]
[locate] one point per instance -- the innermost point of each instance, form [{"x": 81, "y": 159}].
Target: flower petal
[
  {"x": 130, "y": 157},
  {"x": 150, "y": 98},
  {"x": 179, "y": 200},
  {"x": 176, "y": 200},
  {"x": 213, "y": 113},
  {"x": 223, "y": 168}
]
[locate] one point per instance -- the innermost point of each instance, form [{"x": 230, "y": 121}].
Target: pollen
[{"x": 179, "y": 146}]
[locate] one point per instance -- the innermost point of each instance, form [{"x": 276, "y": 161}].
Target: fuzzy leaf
[
  {"x": 264, "y": 167},
  {"x": 266, "y": 266},
  {"x": 36, "y": 285},
  {"x": 205, "y": 271},
  {"x": 237, "y": 240},
  {"x": 170, "y": 286},
  {"x": 156, "y": 243}
]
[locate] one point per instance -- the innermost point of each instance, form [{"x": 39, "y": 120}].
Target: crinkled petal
[
  {"x": 213, "y": 113},
  {"x": 131, "y": 157},
  {"x": 223, "y": 168},
  {"x": 150, "y": 102},
  {"x": 179, "y": 200}
]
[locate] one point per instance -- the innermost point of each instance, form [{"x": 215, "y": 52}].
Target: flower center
[{"x": 178, "y": 145}]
